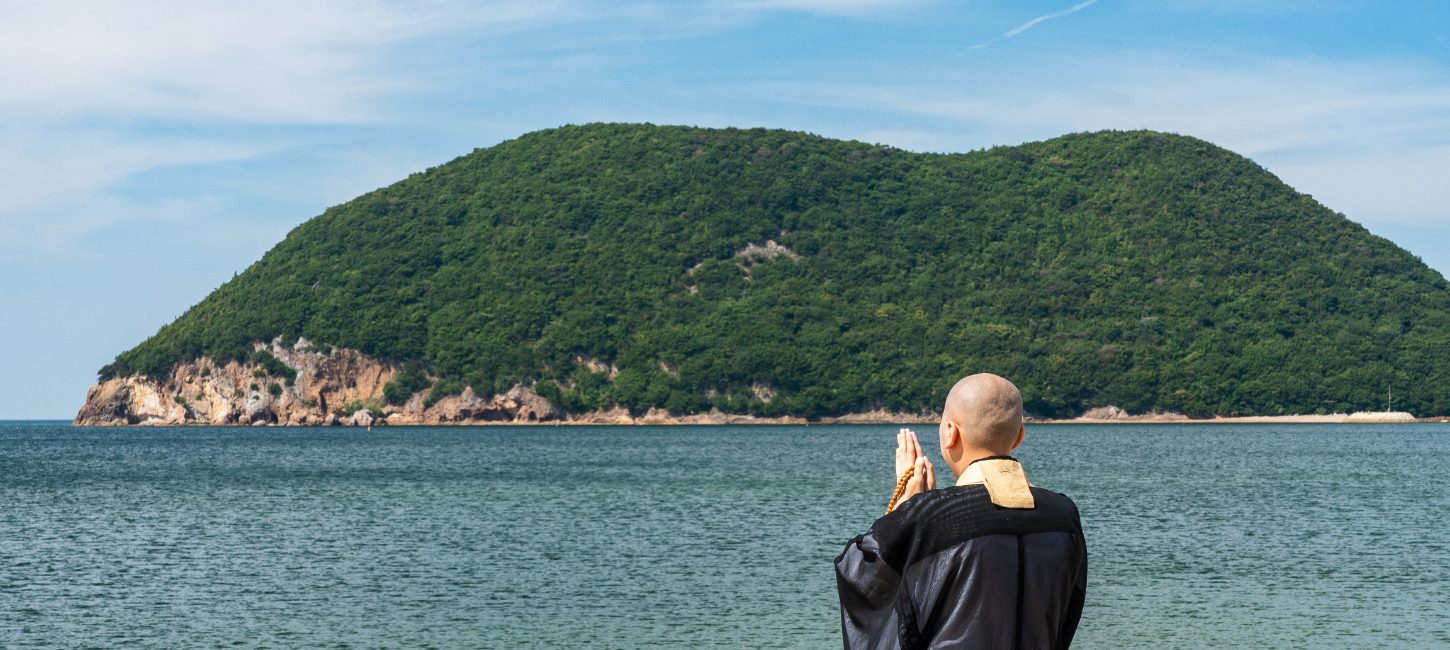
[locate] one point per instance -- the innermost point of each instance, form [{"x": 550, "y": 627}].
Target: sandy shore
[
  {"x": 1172, "y": 418},
  {"x": 1107, "y": 415}
]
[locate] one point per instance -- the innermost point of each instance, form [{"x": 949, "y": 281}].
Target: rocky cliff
[
  {"x": 345, "y": 387},
  {"x": 330, "y": 387}
]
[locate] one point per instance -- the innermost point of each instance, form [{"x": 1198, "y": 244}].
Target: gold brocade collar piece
[{"x": 1006, "y": 482}]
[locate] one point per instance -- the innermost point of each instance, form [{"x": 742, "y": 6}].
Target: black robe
[{"x": 948, "y": 569}]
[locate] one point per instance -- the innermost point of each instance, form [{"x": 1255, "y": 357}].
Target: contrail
[
  {"x": 1042, "y": 19},
  {"x": 1037, "y": 21}
]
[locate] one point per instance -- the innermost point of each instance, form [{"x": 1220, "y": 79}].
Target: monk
[{"x": 991, "y": 562}]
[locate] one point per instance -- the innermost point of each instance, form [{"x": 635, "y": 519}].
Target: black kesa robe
[{"x": 948, "y": 569}]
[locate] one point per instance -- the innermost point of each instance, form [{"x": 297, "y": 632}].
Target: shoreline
[
  {"x": 297, "y": 385},
  {"x": 654, "y": 418},
  {"x": 1243, "y": 419}
]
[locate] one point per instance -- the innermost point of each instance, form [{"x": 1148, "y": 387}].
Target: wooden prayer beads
[{"x": 900, "y": 488}]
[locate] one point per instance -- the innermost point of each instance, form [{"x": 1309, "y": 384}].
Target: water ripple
[{"x": 627, "y": 537}]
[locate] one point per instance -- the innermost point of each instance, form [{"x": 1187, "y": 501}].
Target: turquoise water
[{"x": 1308, "y": 536}]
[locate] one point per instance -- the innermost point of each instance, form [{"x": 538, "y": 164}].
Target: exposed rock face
[
  {"x": 762, "y": 392},
  {"x": 333, "y": 387},
  {"x": 609, "y": 370},
  {"x": 746, "y": 258},
  {"x": 1114, "y": 414},
  {"x": 345, "y": 387},
  {"x": 1105, "y": 413},
  {"x": 769, "y": 250}
]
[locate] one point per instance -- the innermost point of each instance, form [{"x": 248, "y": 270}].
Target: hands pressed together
[{"x": 910, "y": 456}]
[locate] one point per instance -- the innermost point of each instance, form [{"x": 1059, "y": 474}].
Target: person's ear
[
  {"x": 1021, "y": 435},
  {"x": 951, "y": 436}
]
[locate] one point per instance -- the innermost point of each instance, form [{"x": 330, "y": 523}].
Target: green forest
[{"x": 1140, "y": 269}]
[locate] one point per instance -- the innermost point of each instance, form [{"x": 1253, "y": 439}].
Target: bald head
[{"x": 987, "y": 409}]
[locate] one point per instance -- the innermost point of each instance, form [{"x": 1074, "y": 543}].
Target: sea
[{"x": 1199, "y": 535}]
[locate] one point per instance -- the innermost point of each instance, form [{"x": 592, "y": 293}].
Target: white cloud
[
  {"x": 94, "y": 93},
  {"x": 59, "y": 180},
  {"x": 272, "y": 61},
  {"x": 1378, "y": 186},
  {"x": 1367, "y": 139},
  {"x": 46, "y": 166}
]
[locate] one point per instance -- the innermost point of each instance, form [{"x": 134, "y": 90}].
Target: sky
[{"x": 149, "y": 151}]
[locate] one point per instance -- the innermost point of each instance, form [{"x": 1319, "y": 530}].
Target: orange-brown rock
[
  {"x": 331, "y": 387},
  {"x": 345, "y": 387}
]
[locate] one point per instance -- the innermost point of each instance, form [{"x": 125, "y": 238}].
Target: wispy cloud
[
  {"x": 1046, "y": 17},
  {"x": 1035, "y": 22},
  {"x": 271, "y": 61},
  {"x": 1364, "y": 138},
  {"x": 95, "y": 93}
]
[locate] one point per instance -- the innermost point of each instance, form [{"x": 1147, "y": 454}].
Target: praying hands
[{"x": 910, "y": 457}]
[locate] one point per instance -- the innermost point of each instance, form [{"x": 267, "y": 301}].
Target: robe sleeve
[
  {"x": 1075, "y": 603},
  {"x": 867, "y": 586}
]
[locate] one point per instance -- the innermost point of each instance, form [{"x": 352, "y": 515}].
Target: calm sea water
[{"x": 1308, "y": 536}]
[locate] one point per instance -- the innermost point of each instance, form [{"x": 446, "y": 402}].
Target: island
[{"x": 638, "y": 273}]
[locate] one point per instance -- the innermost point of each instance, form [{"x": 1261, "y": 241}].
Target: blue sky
[{"x": 147, "y": 154}]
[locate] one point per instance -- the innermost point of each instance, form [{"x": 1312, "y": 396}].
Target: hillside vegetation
[{"x": 1140, "y": 269}]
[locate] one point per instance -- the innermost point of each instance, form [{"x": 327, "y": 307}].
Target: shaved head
[{"x": 987, "y": 409}]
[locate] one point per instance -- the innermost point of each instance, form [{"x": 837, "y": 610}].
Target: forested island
[{"x": 640, "y": 270}]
